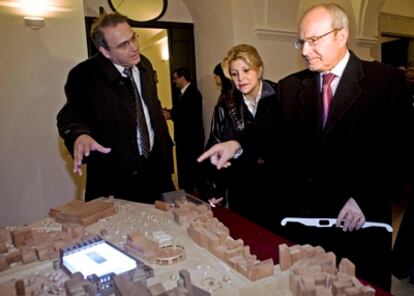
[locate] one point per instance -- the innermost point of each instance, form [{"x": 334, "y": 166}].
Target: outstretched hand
[
  {"x": 83, "y": 146},
  {"x": 221, "y": 153}
]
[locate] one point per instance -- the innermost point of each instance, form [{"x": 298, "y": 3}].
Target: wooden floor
[{"x": 400, "y": 287}]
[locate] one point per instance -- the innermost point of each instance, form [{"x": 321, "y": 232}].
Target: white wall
[
  {"x": 34, "y": 174},
  {"x": 35, "y": 170}
]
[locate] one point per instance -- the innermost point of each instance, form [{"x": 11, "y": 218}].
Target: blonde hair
[{"x": 244, "y": 52}]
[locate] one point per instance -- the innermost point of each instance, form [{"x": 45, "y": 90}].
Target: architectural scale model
[
  {"x": 312, "y": 271},
  {"x": 209, "y": 233},
  {"x": 216, "y": 263}
]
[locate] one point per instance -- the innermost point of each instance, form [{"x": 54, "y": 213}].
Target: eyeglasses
[
  {"x": 124, "y": 45},
  {"x": 312, "y": 41}
]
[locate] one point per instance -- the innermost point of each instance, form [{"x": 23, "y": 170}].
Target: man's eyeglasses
[
  {"x": 312, "y": 41},
  {"x": 124, "y": 45}
]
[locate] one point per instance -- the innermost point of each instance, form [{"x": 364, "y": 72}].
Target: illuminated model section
[
  {"x": 312, "y": 271},
  {"x": 209, "y": 233}
]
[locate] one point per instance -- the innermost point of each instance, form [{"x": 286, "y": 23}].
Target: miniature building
[
  {"x": 83, "y": 213},
  {"x": 153, "y": 252},
  {"x": 125, "y": 287},
  {"x": 314, "y": 272},
  {"x": 211, "y": 234}
]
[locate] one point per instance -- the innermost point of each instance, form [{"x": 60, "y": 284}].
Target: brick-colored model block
[
  {"x": 42, "y": 253},
  {"x": 28, "y": 255},
  {"x": 338, "y": 287},
  {"x": 157, "y": 290},
  {"x": 323, "y": 291},
  {"x": 285, "y": 260},
  {"x": 353, "y": 291},
  {"x": 4, "y": 234},
  {"x": 83, "y": 213},
  {"x": 124, "y": 287},
  {"x": 346, "y": 267},
  {"x": 260, "y": 270},
  {"x": 161, "y": 205},
  {"x": 139, "y": 245},
  {"x": 20, "y": 235},
  {"x": 368, "y": 291},
  {"x": 20, "y": 288},
  {"x": 73, "y": 230},
  {"x": 3, "y": 248},
  {"x": 70, "y": 206},
  {"x": 14, "y": 256},
  {"x": 307, "y": 286},
  {"x": 3, "y": 263},
  {"x": 77, "y": 285}
]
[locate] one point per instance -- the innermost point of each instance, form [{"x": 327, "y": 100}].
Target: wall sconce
[
  {"x": 34, "y": 22},
  {"x": 165, "y": 53}
]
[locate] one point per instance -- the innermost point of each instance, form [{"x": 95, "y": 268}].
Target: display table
[
  {"x": 262, "y": 242},
  {"x": 207, "y": 271}
]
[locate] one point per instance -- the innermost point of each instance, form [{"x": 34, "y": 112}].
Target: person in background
[
  {"x": 187, "y": 115},
  {"x": 344, "y": 159},
  {"x": 409, "y": 74},
  {"x": 251, "y": 98},
  {"x": 215, "y": 190},
  {"x": 155, "y": 77},
  {"x": 223, "y": 83},
  {"x": 125, "y": 157}
]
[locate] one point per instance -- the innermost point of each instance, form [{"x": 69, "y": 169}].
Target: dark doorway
[{"x": 395, "y": 52}]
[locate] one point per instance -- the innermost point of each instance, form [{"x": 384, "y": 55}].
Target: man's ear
[
  {"x": 343, "y": 36},
  {"x": 105, "y": 52}
]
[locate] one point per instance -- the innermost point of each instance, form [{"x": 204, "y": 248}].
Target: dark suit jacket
[
  {"x": 364, "y": 152},
  {"x": 361, "y": 153},
  {"x": 187, "y": 114},
  {"x": 101, "y": 103}
]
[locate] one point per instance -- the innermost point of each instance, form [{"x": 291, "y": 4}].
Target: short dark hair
[
  {"x": 104, "y": 21},
  {"x": 183, "y": 72}
]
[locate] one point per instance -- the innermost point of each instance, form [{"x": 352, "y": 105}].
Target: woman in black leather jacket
[{"x": 246, "y": 182}]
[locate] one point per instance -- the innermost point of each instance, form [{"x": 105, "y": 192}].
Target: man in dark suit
[
  {"x": 346, "y": 160},
  {"x": 187, "y": 114},
  {"x": 99, "y": 121}
]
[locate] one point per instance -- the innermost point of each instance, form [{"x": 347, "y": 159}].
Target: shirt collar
[
  {"x": 121, "y": 69},
  {"x": 339, "y": 69},
  {"x": 185, "y": 87},
  {"x": 257, "y": 98}
]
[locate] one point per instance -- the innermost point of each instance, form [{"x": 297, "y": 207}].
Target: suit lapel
[
  {"x": 310, "y": 102},
  {"x": 347, "y": 92}
]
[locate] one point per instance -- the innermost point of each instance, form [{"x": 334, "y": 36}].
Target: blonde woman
[{"x": 251, "y": 98}]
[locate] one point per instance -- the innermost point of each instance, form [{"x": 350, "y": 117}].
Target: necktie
[
  {"x": 142, "y": 123},
  {"x": 326, "y": 95}
]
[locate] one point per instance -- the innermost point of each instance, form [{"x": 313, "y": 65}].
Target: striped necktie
[{"x": 141, "y": 121}]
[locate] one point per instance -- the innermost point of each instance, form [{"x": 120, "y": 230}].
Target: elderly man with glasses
[{"x": 344, "y": 141}]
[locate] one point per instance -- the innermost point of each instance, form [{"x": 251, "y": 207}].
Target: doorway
[{"x": 153, "y": 44}]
